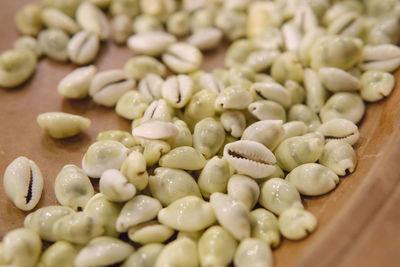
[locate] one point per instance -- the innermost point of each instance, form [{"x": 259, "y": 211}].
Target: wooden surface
[{"x": 358, "y": 223}]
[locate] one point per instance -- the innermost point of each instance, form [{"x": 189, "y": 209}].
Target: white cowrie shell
[
  {"x": 271, "y": 91},
  {"x": 376, "y": 85},
  {"x": 61, "y": 254},
  {"x": 234, "y": 122},
  {"x": 134, "y": 169},
  {"x": 340, "y": 129},
  {"x": 216, "y": 247},
  {"x": 278, "y": 195},
  {"x": 295, "y": 224},
  {"x": 76, "y": 84},
  {"x": 62, "y": 125},
  {"x": 155, "y": 130},
  {"x": 303, "y": 113},
  {"x": 250, "y": 158},
  {"x": 211, "y": 82},
  {"x": 307, "y": 42},
  {"x": 206, "y": 39},
  {"x": 348, "y": 24},
  {"x": 214, "y": 176},
  {"x": 145, "y": 256},
  {"x": 102, "y": 251},
  {"x": 305, "y": 18},
  {"x": 158, "y": 110},
  {"x": 184, "y": 136},
  {"x": 293, "y": 128},
  {"x": 257, "y": 13},
  {"x": 335, "y": 80},
  {"x": 92, "y": 19},
  {"x": 140, "y": 209},
  {"x": 180, "y": 252},
  {"x": 150, "y": 43},
  {"x": 267, "y": 110},
  {"x": 150, "y": 86},
  {"x": 266, "y": 132},
  {"x": 208, "y": 137},
  {"x": 189, "y": 213},
  {"x": 232, "y": 97},
  {"x": 182, "y": 57},
  {"x": 150, "y": 232},
  {"x": 232, "y": 215},
  {"x": 264, "y": 226},
  {"x": 177, "y": 90},
  {"x": 253, "y": 252},
  {"x": 115, "y": 187},
  {"x": 339, "y": 156},
  {"x": 153, "y": 151},
  {"x": 23, "y": 183},
  {"x": 260, "y": 60},
  {"x": 183, "y": 157},
  {"x": 54, "y": 18},
  {"x": 83, "y": 47},
  {"x": 291, "y": 36},
  {"x": 385, "y": 57},
  {"x": 244, "y": 189},
  {"x": 316, "y": 94}
]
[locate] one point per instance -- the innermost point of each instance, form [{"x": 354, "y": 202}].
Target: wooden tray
[{"x": 358, "y": 223}]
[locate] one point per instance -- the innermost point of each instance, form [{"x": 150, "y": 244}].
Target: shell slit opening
[{"x": 28, "y": 196}]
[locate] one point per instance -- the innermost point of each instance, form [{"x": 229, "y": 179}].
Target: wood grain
[{"x": 358, "y": 222}]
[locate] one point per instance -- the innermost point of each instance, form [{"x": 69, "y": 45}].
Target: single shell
[
  {"x": 53, "y": 43},
  {"x": 134, "y": 169},
  {"x": 145, "y": 256},
  {"x": 232, "y": 215},
  {"x": 295, "y": 151},
  {"x": 208, "y": 137},
  {"x": 178, "y": 23},
  {"x": 102, "y": 251},
  {"x": 107, "y": 87},
  {"x": 264, "y": 226},
  {"x": 339, "y": 156},
  {"x": 128, "y": 8},
  {"x": 158, "y": 9},
  {"x": 139, "y": 66},
  {"x": 238, "y": 52},
  {"x": 336, "y": 80},
  {"x": 62, "y": 125},
  {"x": 271, "y": 91},
  {"x": 266, "y": 132},
  {"x": 348, "y": 24},
  {"x": 216, "y": 247},
  {"x": 72, "y": 187},
  {"x": 234, "y": 122},
  {"x": 16, "y": 66},
  {"x": 305, "y": 18},
  {"x": 23, "y": 183},
  {"x": 177, "y": 90},
  {"x": 307, "y": 42},
  {"x": 121, "y": 28},
  {"x": 244, "y": 189},
  {"x": 83, "y": 47},
  {"x": 250, "y": 158},
  {"x": 253, "y": 252},
  {"x": 150, "y": 232},
  {"x": 303, "y": 113},
  {"x": 61, "y": 254},
  {"x": 22, "y": 247},
  {"x": 206, "y": 39},
  {"x": 150, "y": 43},
  {"x": 376, "y": 85},
  {"x": 184, "y": 136},
  {"x": 156, "y": 130},
  {"x": 293, "y": 128},
  {"x": 42, "y": 220},
  {"x": 68, "y": 8},
  {"x": 257, "y": 14},
  {"x": 158, "y": 110},
  {"x": 76, "y": 84},
  {"x": 233, "y": 97},
  {"x": 145, "y": 23},
  {"x": 201, "y": 18},
  {"x": 295, "y": 224},
  {"x": 343, "y": 105},
  {"x": 278, "y": 195},
  {"x": 269, "y": 38},
  {"x": 231, "y": 22},
  {"x": 199, "y": 107},
  {"x": 182, "y": 57},
  {"x": 180, "y": 252},
  {"x": 54, "y": 18},
  {"x": 150, "y": 86},
  {"x": 292, "y": 36},
  {"x": 267, "y": 110},
  {"x": 261, "y": 60},
  {"x": 105, "y": 211},
  {"x": 29, "y": 43},
  {"x": 103, "y": 155},
  {"x": 340, "y": 129},
  {"x": 78, "y": 227},
  {"x": 183, "y": 157},
  {"x": 168, "y": 185},
  {"x": 115, "y": 187},
  {"x": 214, "y": 176},
  {"x": 122, "y": 137},
  {"x": 385, "y": 57},
  {"x": 316, "y": 94},
  {"x": 153, "y": 151},
  {"x": 286, "y": 67},
  {"x": 29, "y": 19},
  {"x": 140, "y": 209},
  {"x": 92, "y": 19},
  {"x": 241, "y": 76},
  {"x": 189, "y": 213}
]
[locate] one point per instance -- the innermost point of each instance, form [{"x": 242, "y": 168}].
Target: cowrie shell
[
  {"x": 335, "y": 80},
  {"x": 156, "y": 130},
  {"x": 340, "y": 129}
]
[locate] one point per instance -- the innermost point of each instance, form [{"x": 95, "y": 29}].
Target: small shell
[
  {"x": 22, "y": 248},
  {"x": 102, "y": 251},
  {"x": 78, "y": 227},
  {"x": 340, "y": 129},
  {"x": 189, "y": 213},
  {"x": 232, "y": 215},
  {"x": 153, "y": 151},
  {"x": 233, "y": 97},
  {"x": 182, "y": 58},
  {"x": 184, "y": 136},
  {"x": 250, "y": 158},
  {"x": 123, "y": 137},
  {"x": 138, "y": 210},
  {"x": 158, "y": 110},
  {"x": 244, "y": 189},
  {"x": 293, "y": 128},
  {"x": 261, "y": 60},
  {"x": 60, "y": 254},
  {"x": 305, "y": 18},
  {"x": 62, "y": 125},
  {"x": 28, "y": 20},
  {"x": 336, "y": 80},
  {"x": 121, "y": 28},
  {"x": 231, "y": 22},
  {"x": 271, "y": 91},
  {"x": 208, "y": 137},
  {"x": 238, "y": 52},
  {"x": 42, "y": 220},
  {"x": 264, "y": 226},
  {"x": 54, "y": 18},
  {"x": 177, "y": 90},
  {"x": 183, "y": 157},
  {"x": 194, "y": 235},
  {"x": 180, "y": 252},
  {"x": 29, "y": 43},
  {"x": 76, "y": 84},
  {"x": 257, "y": 13},
  {"x": 131, "y": 105},
  {"x": 384, "y": 57},
  {"x": 53, "y": 43},
  {"x": 316, "y": 94},
  {"x": 92, "y": 19},
  {"x": 150, "y": 43},
  {"x": 343, "y": 105},
  {"x": 72, "y": 187},
  {"x": 307, "y": 42},
  {"x": 138, "y": 67},
  {"x": 23, "y": 183},
  {"x": 376, "y": 85},
  {"x": 83, "y": 47},
  {"x": 168, "y": 185},
  {"x": 266, "y": 132},
  {"x": 348, "y": 24},
  {"x": 234, "y": 122},
  {"x": 103, "y": 155},
  {"x": 156, "y": 130},
  {"x": 134, "y": 169},
  {"x": 295, "y": 224},
  {"x": 339, "y": 156},
  {"x": 303, "y": 113},
  {"x": 145, "y": 23},
  {"x": 150, "y": 86},
  {"x": 115, "y": 187},
  {"x": 214, "y": 176},
  {"x": 278, "y": 195},
  {"x": 206, "y": 39},
  {"x": 286, "y": 67},
  {"x": 291, "y": 36},
  {"x": 211, "y": 82},
  {"x": 178, "y": 23},
  {"x": 267, "y": 110},
  {"x": 216, "y": 247},
  {"x": 144, "y": 256},
  {"x": 253, "y": 252},
  {"x": 150, "y": 232},
  {"x": 200, "y": 106}
]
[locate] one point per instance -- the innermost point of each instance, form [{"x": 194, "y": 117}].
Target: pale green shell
[
  {"x": 295, "y": 224},
  {"x": 264, "y": 226},
  {"x": 30, "y": 43},
  {"x": 180, "y": 252},
  {"x": 131, "y": 105},
  {"x": 150, "y": 232},
  {"x": 232, "y": 23},
  {"x": 68, "y": 8},
  {"x": 234, "y": 122},
  {"x": 123, "y": 137},
  {"x": 146, "y": 23},
  {"x": 184, "y": 136},
  {"x": 214, "y": 176},
  {"x": 267, "y": 110},
  {"x": 60, "y": 254},
  {"x": 62, "y": 125},
  {"x": 183, "y": 157},
  {"x": 134, "y": 169},
  {"x": 199, "y": 107},
  {"x": 266, "y": 132},
  {"x": 316, "y": 94},
  {"x": 154, "y": 150},
  {"x": 29, "y": 19},
  {"x": 233, "y": 97},
  {"x": 376, "y": 85},
  {"x": 178, "y": 23},
  {"x": 343, "y": 105},
  {"x": 53, "y": 43},
  {"x": 286, "y": 67},
  {"x": 91, "y": 18},
  {"x": 253, "y": 252},
  {"x": 125, "y": 7},
  {"x": 76, "y": 84},
  {"x": 244, "y": 189},
  {"x": 139, "y": 66},
  {"x": 300, "y": 112},
  {"x": 145, "y": 256},
  {"x": 115, "y": 187},
  {"x": 339, "y": 156},
  {"x": 208, "y": 137}
]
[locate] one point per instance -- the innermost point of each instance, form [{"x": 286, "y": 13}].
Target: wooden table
[{"x": 359, "y": 222}]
